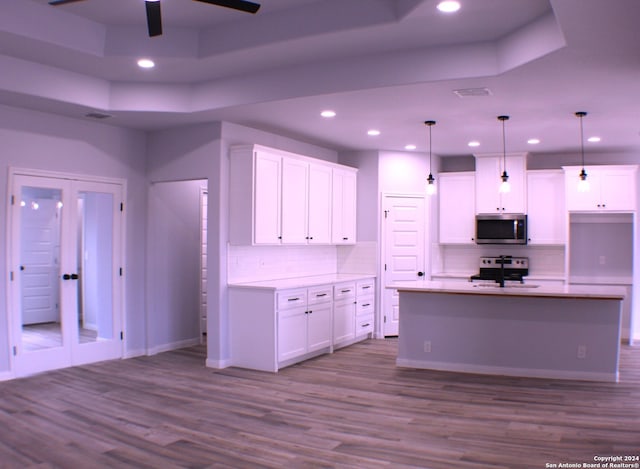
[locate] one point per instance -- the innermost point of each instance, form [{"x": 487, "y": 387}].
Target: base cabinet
[{"x": 272, "y": 328}]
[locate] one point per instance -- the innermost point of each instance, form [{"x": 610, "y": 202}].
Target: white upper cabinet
[
  {"x": 320, "y": 200},
  {"x": 344, "y": 206},
  {"x": 295, "y": 201},
  {"x": 546, "y": 220},
  {"x": 456, "y": 196},
  {"x": 488, "y": 171},
  {"x": 282, "y": 198},
  {"x": 611, "y": 188}
]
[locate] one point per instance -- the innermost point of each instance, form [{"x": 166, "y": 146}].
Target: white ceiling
[{"x": 385, "y": 64}]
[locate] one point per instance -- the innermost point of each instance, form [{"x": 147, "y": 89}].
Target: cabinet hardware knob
[
  {"x": 420, "y": 274},
  {"x": 345, "y": 239}
]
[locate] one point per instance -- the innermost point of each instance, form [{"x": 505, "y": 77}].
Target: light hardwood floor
[{"x": 350, "y": 409}]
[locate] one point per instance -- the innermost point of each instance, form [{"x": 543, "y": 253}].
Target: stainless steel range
[{"x": 501, "y": 269}]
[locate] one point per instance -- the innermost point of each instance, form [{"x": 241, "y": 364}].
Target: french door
[{"x": 65, "y": 258}]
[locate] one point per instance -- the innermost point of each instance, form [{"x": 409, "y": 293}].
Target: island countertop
[{"x": 602, "y": 292}]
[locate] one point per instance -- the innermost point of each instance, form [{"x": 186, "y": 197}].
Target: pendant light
[
  {"x": 583, "y": 184},
  {"x": 431, "y": 182},
  {"x": 504, "y": 185}
]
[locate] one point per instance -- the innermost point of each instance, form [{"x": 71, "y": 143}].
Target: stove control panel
[{"x": 509, "y": 262}]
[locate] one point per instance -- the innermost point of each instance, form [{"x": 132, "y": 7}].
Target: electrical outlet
[
  {"x": 427, "y": 346},
  {"x": 582, "y": 351}
]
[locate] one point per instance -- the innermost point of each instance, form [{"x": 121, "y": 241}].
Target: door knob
[{"x": 420, "y": 274}]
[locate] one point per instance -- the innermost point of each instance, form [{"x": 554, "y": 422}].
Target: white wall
[
  {"x": 41, "y": 141},
  {"x": 173, "y": 259}
]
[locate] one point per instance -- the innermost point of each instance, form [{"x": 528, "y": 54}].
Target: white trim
[
  {"x": 66, "y": 176},
  {"x": 134, "y": 353},
  {"x": 218, "y": 364},
  {"x": 508, "y": 371},
  {"x": 174, "y": 346},
  {"x": 6, "y": 376}
]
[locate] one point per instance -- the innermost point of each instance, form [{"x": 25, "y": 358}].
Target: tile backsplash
[{"x": 255, "y": 263}]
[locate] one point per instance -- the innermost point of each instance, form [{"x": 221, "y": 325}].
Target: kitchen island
[{"x": 563, "y": 331}]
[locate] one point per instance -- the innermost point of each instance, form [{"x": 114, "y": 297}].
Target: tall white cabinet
[
  {"x": 278, "y": 197},
  {"x": 457, "y": 207}
]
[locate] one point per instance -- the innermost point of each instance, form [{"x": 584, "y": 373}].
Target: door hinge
[
  {"x": 385, "y": 319},
  {"x": 120, "y": 271},
  {"x": 15, "y": 350},
  {"x": 385, "y": 267},
  {"x": 13, "y": 199},
  {"x": 11, "y": 275},
  {"x": 121, "y": 335},
  {"x": 386, "y": 212},
  {"x": 122, "y": 206}
]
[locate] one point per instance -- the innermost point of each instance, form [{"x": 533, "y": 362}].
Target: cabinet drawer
[
  {"x": 365, "y": 305},
  {"x": 364, "y": 324},
  {"x": 366, "y": 287},
  {"x": 292, "y": 298},
  {"x": 323, "y": 294},
  {"x": 344, "y": 291}
]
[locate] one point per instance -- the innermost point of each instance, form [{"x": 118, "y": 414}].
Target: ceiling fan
[{"x": 154, "y": 19}]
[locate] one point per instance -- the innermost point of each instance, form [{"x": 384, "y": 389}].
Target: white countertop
[
  {"x": 301, "y": 282},
  {"x": 514, "y": 289}
]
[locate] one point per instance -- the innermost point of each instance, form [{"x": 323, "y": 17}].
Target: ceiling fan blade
[
  {"x": 62, "y": 2},
  {"x": 241, "y": 5},
  {"x": 154, "y": 18}
]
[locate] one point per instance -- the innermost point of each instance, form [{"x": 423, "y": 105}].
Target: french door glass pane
[
  {"x": 40, "y": 228},
  {"x": 95, "y": 266}
]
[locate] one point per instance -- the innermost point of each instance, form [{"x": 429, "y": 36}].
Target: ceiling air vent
[
  {"x": 97, "y": 115},
  {"x": 471, "y": 92}
]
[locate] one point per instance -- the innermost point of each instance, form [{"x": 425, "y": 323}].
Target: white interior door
[
  {"x": 404, "y": 251},
  {"x": 65, "y": 269}
]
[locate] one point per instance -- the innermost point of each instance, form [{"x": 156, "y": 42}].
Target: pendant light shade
[
  {"x": 431, "y": 182},
  {"x": 504, "y": 185},
  {"x": 583, "y": 183}
]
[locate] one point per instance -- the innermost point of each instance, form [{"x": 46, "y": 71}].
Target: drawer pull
[
  {"x": 366, "y": 304},
  {"x": 345, "y": 291},
  {"x": 366, "y": 325},
  {"x": 319, "y": 295},
  {"x": 366, "y": 287},
  {"x": 293, "y": 299}
]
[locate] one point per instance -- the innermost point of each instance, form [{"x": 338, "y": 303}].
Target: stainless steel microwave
[{"x": 503, "y": 228}]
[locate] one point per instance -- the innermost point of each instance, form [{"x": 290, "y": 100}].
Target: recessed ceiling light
[
  {"x": 328, "y": 113},
  {"x": 474, "y": 143},
  {"x": 449, "y": 6},
  {"x": 373, "y": 132},
  {"x": 533, "y": 141},
  {"x": 593, "y": 139},
  {"x": 146, "y": 63},
  {"x": 410, "y": 147}
]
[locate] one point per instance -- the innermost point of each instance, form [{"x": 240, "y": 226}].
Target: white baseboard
[
  {"x": 218, "y": 364},
  {"x": 508, "y": 371},
  {"x": 6, "y": 375},
  {"x": 134, "y": 353},
  {"x": 174, "y": 346}
]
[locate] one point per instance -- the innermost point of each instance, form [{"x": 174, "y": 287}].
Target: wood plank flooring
[{"x": 351, "y": 409}]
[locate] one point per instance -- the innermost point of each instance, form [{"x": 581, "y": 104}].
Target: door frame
[
  {"x": 379, "y": 332},
  {"x": 12, "y": 262}
]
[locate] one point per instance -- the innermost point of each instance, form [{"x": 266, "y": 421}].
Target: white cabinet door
[
  {"x": 618, "y": 189},
  {"x": 344, "y": 321},
  {"x": 292, "y": 333},
  {"x": 295, "y": 179},
  {"x": 488, "y": 197},
  {"x": 546, "y": 216},
  {"x": 319, "y": 212},
  {"x": 457, "y": 208},
  {"x": 267, "y": 196},
  {"x": 344, "y": 207},
  {"x": 611, "y": 188},
  {"x": 319, "y": 326}
]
